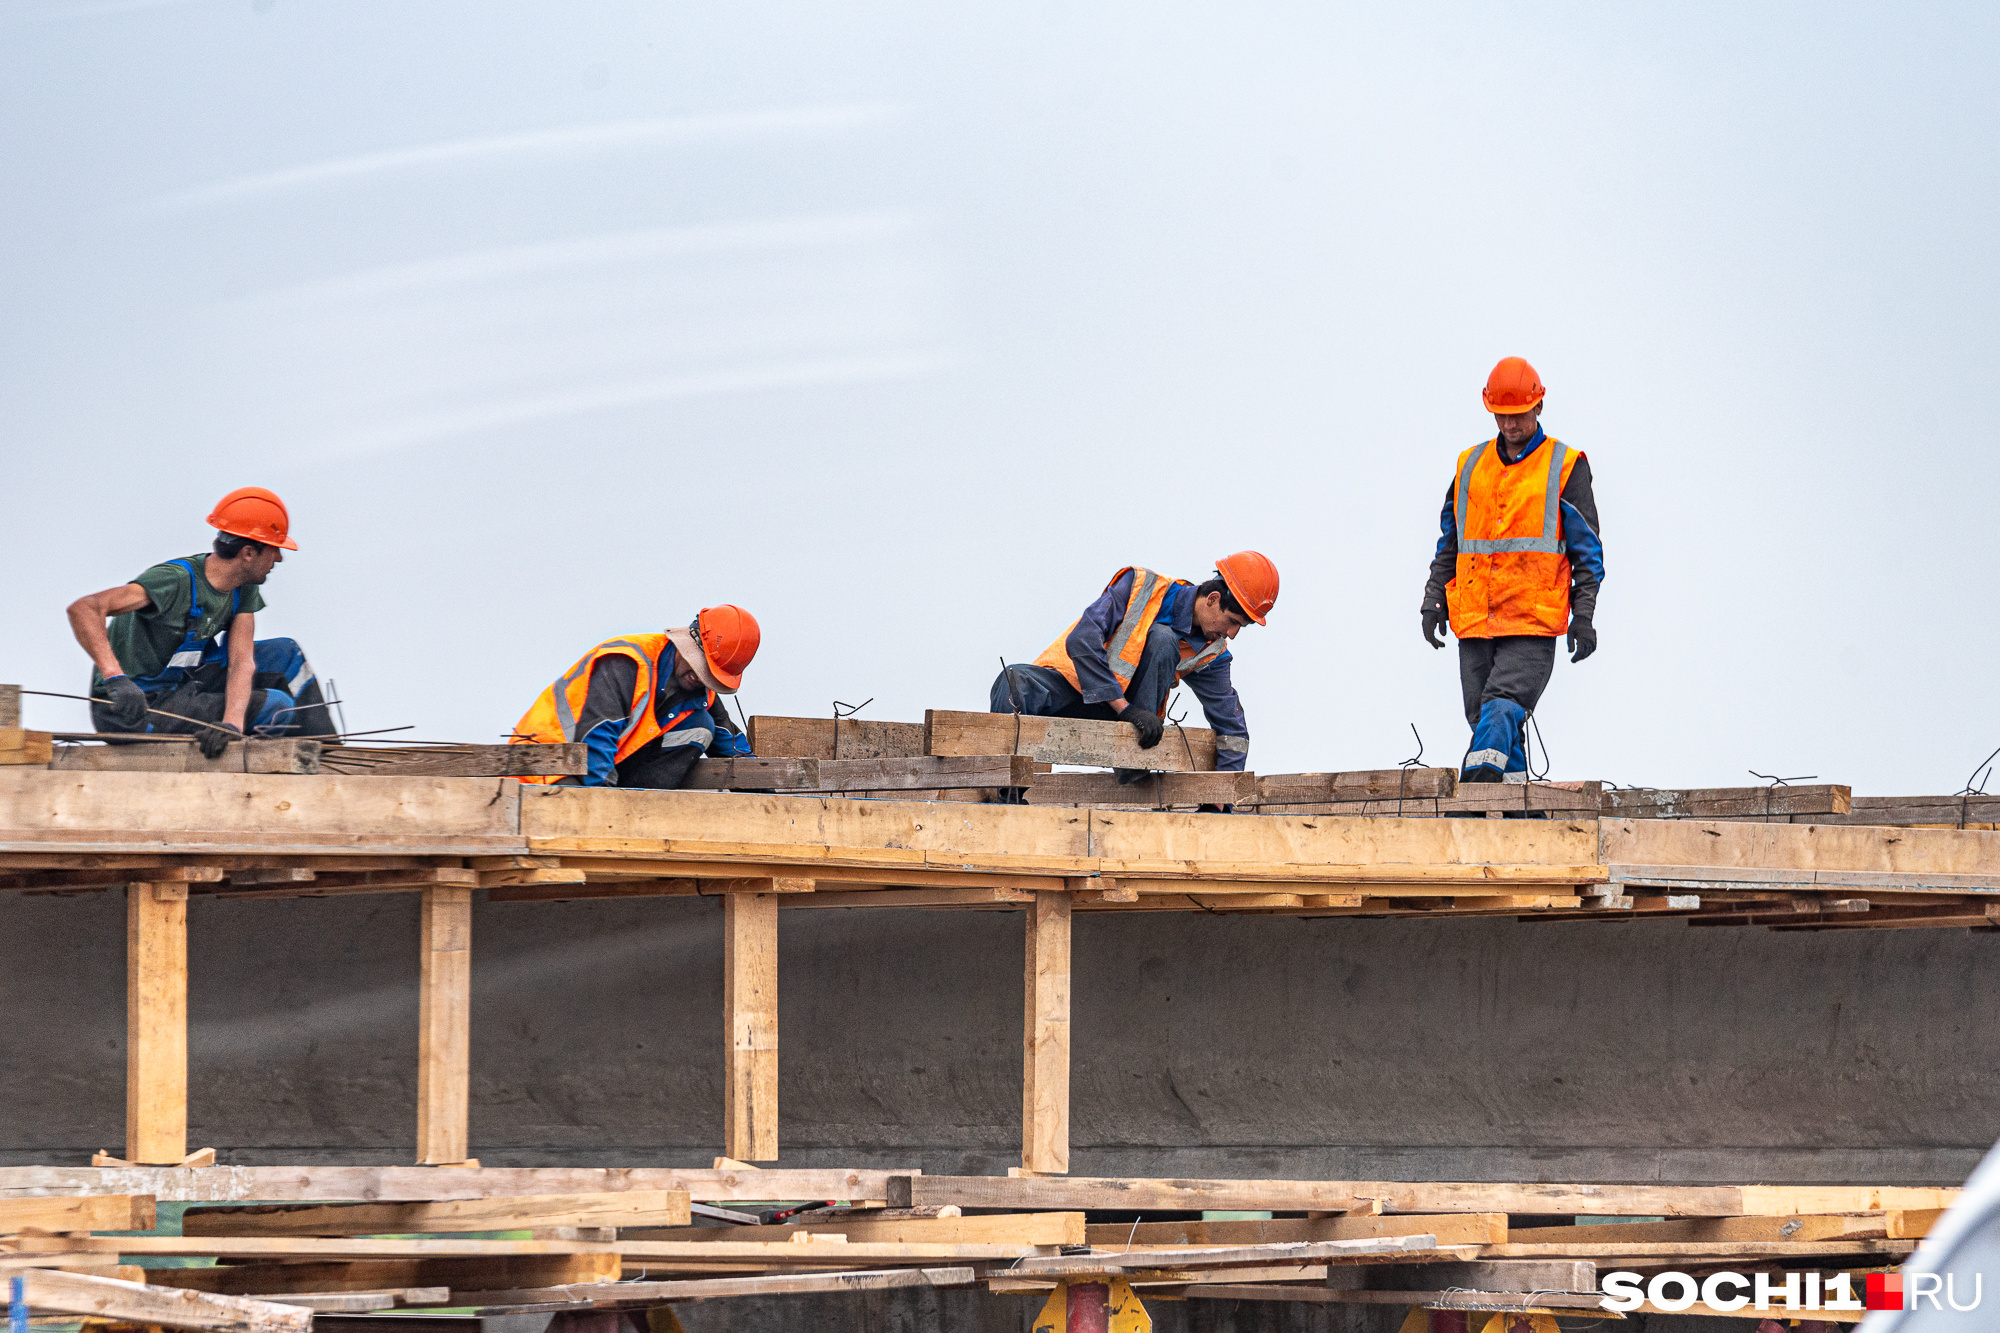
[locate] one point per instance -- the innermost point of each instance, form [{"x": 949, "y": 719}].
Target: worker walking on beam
[
  {"x": 645, "y": 704},
  {"x": 1518, "y": 565},
  {"x": 182, "y": 640},
  {"x": 1143, "y": 635}
]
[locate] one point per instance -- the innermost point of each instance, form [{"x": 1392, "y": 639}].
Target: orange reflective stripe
[
  {"x": 553, "y": 716},
  {"x": 1127, "y": 643}
]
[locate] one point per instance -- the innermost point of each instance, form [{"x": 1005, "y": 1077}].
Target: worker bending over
[
  {"x": 161, "y": 652},
  {"x": 1517, "y": 565},
  {"x": 644, "y": 704},
  {"x": 1143, "y": 635}
]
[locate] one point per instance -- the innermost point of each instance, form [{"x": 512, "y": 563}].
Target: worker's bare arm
[
  {"x": 242, "y": 669},
  {"x": 88, "y": 614}
]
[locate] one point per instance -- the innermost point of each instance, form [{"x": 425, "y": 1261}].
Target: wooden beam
[
  {"x": 816, "y": 737},
  {"x": 995, "y": 897},
  {"x": 1727, "y": 802},
  {"x": 1045, "y": 1036},
  {"x": 1064, "y": 740},
  {"x": 156, "y": 1023},
  {"x": 99, "y": 1212},
  {"x": 242, "y": 1184},
  {"x": 276, "y": 755},
  {"x": 1449, "y": 1228},
  {"x": 1379, "y": 784},
  {"x": 919, "y": 773},
  {"x": 1708, "y": 1229},
  {"x": 444, "y": 1026},
  {"x": 47, "y": 1292},
  {"x": 627, "y": 1208},
  {"x": 1129, "y": 1194},
  {"x": 32, "y": 748},
  {"x": 561, "y": 759},
  {"x": 483, "y": 1273},
  {"x": 10, "y": 707},
  {"x": 750, "y": 1026},
  {"x": 614, "y": 1295},
  {"x": 1162, "y": 788},
  {"x": 1000, "y": 1228}
]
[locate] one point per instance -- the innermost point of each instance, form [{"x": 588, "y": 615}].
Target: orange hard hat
[
  {"x": 729, "y": 637},
  {"x": 253, "y": 512},
  {"x": 1512, "y": 388},
  {"x": 1252, "y": 580}
]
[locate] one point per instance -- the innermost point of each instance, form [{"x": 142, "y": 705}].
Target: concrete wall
[{"x": 1204, "y": 1045}]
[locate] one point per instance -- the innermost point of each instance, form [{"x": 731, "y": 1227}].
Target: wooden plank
[
  {"x": 1583, "y": 798},
  {"x": 1223, "y": 1256},
  {"x": 989, "y": 1228},
  {"x": 916, "y": 774},
  {"x": 10, "y": 707},
  {"x": 814, "y": 738},
  {"x": 1912, "y": 1223},
  {"x": 615, "y": 1295},
  {"x": 18, "y": 747},
  {"x": 1705, "y": 1229},
  {"x": 239, "y": 1184},
  {"x": 1947, "y": 811},
  {"x": 1045, "y": 1036},
  {"x": 484, "y": 1273},
  {"x": 1539, "y": 1276},
  {"x": 1727, "y": 802},
  {"x": 915, "y": 898},
  {"x": 1449, "y": 1228},
  {"x": 1012, "y": 1194},
  {"x": 1162, "y": 788},
  {"x": 444, "y": 1026},
  {"x": 561, "y": 759},
  {"x": 317, "y": 1248},
  {"x": 1820, "y": 853},
  {"x": 47, "y": 1292},
  {"x": 750, "y": 1025},
  {"x": 1379, "y": 784},
  {"x": 285, "y": 809},
  {"x": 1064, "y": 740},
  {"x": 89, "y": 1212},
  {"x": 156, "y": 1023},
  {"x": 624, "y": 1208},
  {"x": 275, "y": 755}
]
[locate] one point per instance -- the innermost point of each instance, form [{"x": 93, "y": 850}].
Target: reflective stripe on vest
[
  {"x": 552, "y": 718},
  {"x": 1127, "y": 644},
  {"x": 1551, "y": 539}
]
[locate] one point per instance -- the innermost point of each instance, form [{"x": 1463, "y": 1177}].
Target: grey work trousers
[{"x": 1513, "y": 666}]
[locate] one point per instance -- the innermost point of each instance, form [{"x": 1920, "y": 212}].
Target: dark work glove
[
  {"x": 1435, "y": 618},
  {"x": 1147, "y": 723},
  {"x": 128, "y": 702},
  {"x": 1582, "y": 638},
  {"x": 214, "y": 739}
]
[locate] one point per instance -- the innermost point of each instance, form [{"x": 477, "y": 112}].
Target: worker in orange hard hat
[
  {"x": 645, "y": 705},
  {"x": 1518, "y": 565},
  {"x": 1143, "y": 635},
  {"x": 182, "y": 640}
]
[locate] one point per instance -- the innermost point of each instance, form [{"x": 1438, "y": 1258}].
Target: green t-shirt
[{"x": 145, "y": 640}]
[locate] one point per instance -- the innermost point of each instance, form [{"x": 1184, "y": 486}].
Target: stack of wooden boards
[{"x": 558, "y": 1239}]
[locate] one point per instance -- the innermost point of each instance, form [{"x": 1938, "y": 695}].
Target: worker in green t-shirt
[{"x": 159, "y": 655}]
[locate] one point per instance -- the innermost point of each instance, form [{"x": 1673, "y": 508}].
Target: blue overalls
[{"x": 274, "y": 657}]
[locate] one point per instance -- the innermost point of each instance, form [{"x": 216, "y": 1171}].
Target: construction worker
[
  {"x": 1142, "y": 636},
  {"x": 645, "y": 704},
  {"x": 159, "y": 666},
  {"x": 1518, "y": 564}
]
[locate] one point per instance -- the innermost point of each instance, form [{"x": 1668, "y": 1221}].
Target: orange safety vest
[
  {"x": 1513, "y": 567},
  {"x": 1127, "y": 643},
  {"x": 552, "y": 717}
]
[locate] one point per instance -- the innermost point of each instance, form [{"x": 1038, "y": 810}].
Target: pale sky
[{"x": 905, "y": 326}]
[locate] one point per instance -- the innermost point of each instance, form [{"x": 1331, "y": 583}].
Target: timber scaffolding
[{"x": 833, "y": 815}]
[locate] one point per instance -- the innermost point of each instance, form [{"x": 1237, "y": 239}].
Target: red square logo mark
[{"x": 1885, "y": 1291}]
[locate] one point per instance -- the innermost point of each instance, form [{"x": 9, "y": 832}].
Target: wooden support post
[
  {"x": 1045, "y": 1037},
  {"x": 444, "y": 1026},
  {"x": 156, "y": 1023},
  {"x": 750, "y": 1025}
]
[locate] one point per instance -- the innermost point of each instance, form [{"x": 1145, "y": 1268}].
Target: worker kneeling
[
  {"x": 644, "y": 704},
  {"x": 181, "y": 655},
  {"x": 1143, "y": 635}
]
